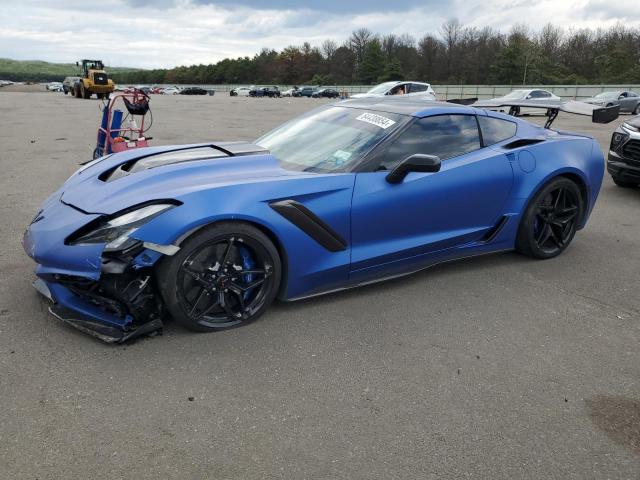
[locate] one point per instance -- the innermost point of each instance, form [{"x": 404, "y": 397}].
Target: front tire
[
  {"x": 224, "y": 276},
  {"x": 550, "y": 220}
]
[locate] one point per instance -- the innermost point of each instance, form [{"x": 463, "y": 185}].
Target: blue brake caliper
[{"x": 247, "y": 264}]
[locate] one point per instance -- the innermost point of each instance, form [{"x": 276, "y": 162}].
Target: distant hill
[{"x": 39, "y": 71}]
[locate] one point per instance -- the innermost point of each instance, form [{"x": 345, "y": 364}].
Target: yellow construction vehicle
[{"x": 94, "y": 80}]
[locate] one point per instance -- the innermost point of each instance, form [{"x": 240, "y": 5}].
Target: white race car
[{"x": 529, "y": 95}]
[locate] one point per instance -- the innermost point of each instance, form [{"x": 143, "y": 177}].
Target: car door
[
  {"x": 627, "y": 103},
  {"x": 634, "y": 102},
  {"x": 416, "y": 89},
  {"x": 400, "y": 227}
]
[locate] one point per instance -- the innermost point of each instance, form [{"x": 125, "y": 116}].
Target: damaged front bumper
[{"x": 111, "y": 297}]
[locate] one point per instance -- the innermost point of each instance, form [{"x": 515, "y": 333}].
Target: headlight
[
  {"x": 116, "y": 231},
  {"x": 617, "y": 139}
]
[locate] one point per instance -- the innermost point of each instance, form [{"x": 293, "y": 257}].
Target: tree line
[{"x": 456, "y": 54}]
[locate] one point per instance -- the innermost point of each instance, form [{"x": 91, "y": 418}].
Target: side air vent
[
  {"x": 522, "y": 142},
  {"x": 493, "y": 232},
  {"x": 310, "y": 223}
]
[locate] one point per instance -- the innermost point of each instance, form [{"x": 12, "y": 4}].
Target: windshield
[
  {"x": 329, "y": 139},
  {"x": 516, "y": 94},
  {"x": 382, "y": 88},
  {"x": 608, "y": 95}
]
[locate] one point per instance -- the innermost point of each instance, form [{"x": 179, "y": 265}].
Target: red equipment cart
[{"x": 120, "y": 130}]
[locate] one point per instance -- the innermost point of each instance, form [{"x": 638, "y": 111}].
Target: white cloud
[{"x": 182, "y": 32}]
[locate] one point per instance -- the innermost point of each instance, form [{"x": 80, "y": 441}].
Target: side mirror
[
  {"x": 417, "y": 162},
  {"x": 621, "y": 97}
]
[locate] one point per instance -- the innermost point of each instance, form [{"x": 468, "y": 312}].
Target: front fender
[{"x": 310, "y": 266}]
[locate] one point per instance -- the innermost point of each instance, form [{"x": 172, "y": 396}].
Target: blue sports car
[{"x": 345, "y": 195}]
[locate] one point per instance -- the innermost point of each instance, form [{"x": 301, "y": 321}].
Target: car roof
[{"x": 406, "y": 106}]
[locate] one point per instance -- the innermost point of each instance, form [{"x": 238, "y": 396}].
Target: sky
[{"x": 167, "y": 33}]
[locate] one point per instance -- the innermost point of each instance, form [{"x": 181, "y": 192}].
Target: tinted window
[
  {"x": 495, "y": 130},
  {"x": 416, "y": 87},
  {"x": 444, "y": 135},
  {"x": 540, "y": 94}
]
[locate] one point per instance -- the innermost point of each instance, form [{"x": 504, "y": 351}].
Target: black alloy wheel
[
  {"x": 551, "y": 220},
  {"x": 224, "y": 276}
]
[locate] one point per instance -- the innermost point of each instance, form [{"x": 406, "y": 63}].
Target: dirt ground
[{"x": 497, "y": 367}]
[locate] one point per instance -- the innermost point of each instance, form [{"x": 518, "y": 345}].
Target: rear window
[{"x": 495, "y": 130}]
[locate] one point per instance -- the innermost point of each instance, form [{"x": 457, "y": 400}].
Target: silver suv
[
  {"x": 623, "y": 163},
  {"x": 68, "y": 84}
]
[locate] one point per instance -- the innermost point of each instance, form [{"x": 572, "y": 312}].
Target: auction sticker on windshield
[{"x": 378, "y": 120}]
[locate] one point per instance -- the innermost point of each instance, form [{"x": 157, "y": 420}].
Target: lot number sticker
[{"x": 378, "y": 120}]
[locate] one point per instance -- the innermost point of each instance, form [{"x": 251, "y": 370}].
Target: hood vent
[{"x": 224, "y": 149}]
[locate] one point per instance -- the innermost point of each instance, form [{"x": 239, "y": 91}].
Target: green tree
[
  {"x": 372, "y": 63},
  {"x": 392, "y": 71}
]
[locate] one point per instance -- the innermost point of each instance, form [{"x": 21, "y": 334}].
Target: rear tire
[
  {"x": 550, "y": 221},
  {"x": 224, "y": 276},
  {"x": 637, "y": 110}
]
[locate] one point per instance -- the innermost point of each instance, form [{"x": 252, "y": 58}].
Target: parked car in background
[
  {"x": 68, "y": 83},
  {"x": 414, "y": 89},
  {"x": 304, "y": 91},
  {"x": 271, "y": 91},
  {"x": 193, "y": 91},
  {"x": 265, "y": 92},
  {"x": 288, "y": 93},
  {"x": 326, "y": 93},
  {"x": 240, "y": 92},
  {"x": 171, "y": 91},
  {"x": 623, "y": 163},
  {"x": 629, "y": 101},
  {"x": 529, "y": 95},
  {"x": 55, "y": 86}
]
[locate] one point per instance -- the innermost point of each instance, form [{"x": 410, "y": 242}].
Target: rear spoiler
[{"x": 553, "y": 107}]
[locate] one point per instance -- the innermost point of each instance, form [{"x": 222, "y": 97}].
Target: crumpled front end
[{"x": 108, "y": 295}]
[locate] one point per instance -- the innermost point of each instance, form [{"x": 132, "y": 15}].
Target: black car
[
  {"x": 193, "y": 91},
  {"x": 623, "y": 163},
  {"x": 265, "y": 92},
  {"x": 325, "y": 93},
  {"x": 305, "y": 92}
]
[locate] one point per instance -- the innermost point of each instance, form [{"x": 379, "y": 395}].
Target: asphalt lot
[{"x": 497, "y": 367}]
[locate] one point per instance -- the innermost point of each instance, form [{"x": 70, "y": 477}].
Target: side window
[
  {"x": 443, "y": 135},
  {"x": 416, "y": 87},
  {"x": 495, "y": 130}
]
